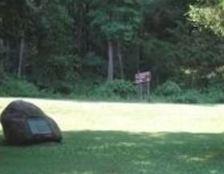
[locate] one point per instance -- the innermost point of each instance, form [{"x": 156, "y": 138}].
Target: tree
[
  {"x": 54, "y": 59},
  {"x": 209, "y": 15},
  {"x": 117, "y": 22},
  {"x": 16, "y": 24}
]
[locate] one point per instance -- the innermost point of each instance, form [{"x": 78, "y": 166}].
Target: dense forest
[{"x": 93, "y": 48}]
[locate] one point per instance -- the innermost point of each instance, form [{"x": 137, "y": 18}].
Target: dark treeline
[{"x": 58, "y": 44}]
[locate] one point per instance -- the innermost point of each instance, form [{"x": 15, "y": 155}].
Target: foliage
[
  {"x": 208, "y": 14},
  {"x": 68, "y": 41},
  {"x": 161, "y": 56},
  {"x": 117, "y": 88},
  {"x": 192, "y": 96},
  {"x": 18, "y": 88},
  {"x": 93, "y": 63},
  {"x": 54, "y": 29},
  {"x": 58, "y": 69},
  {"x": 116, "y": 20},
  {"x": 214, "y": 95},
  {"x": 188, "y": 96},
  {"x": 168, "y": 88},
  {"x": 2, "y": 73}
]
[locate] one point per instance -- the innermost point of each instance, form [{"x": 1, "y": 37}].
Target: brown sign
[{"x": 143, "y": 77}]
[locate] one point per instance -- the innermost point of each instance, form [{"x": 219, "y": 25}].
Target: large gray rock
[{"x": 25, "y": 123}]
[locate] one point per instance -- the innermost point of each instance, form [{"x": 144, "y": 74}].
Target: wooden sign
[{"x": 143, "y": 77}]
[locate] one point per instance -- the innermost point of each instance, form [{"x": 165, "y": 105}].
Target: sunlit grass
[
  {"x": 123, "y": 139},
  {"x": 72, "y": 115}
]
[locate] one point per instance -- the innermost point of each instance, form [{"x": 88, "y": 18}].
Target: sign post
[{"x": 142, "y": 81}]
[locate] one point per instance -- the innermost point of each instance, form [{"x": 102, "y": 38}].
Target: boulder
[{"x": 25, "y": 123}]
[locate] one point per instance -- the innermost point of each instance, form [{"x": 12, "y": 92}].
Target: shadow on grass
[{"x": 109, "y": 152}]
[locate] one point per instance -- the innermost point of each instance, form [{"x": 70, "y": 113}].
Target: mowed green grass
[{"x": 118, "y": 138}]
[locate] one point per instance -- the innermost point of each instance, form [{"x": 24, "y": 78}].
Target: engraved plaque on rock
[{"x": 39, "y": 126}]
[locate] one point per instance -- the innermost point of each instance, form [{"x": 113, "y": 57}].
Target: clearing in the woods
[{"x": 123, "y": 138}]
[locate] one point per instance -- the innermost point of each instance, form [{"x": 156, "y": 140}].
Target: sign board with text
[
  {"x": 39, "y": 126},
  {"x": 143, "y": 77}
]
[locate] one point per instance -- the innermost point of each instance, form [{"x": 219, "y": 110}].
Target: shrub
[
  {"x": 17, "y": 87},
  {"x": 210, "y": 95},
  {"x": 55, "y": 70},
  {"x": 117, "y": 88},
  {"x": 2, "y": 73},
  {"x": 62, "y": 87},
  {"x": 189, "y": 96},
  {"x": 168, "y": 88},
  {"x": 214, "y": 95}
]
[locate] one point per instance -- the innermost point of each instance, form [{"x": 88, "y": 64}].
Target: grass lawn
[{"x": 118, "y": 138}]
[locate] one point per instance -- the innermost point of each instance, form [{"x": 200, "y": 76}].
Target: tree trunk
[
  {"x": 120, "y": 59},
  {"x": 21, "y": 56},
  {"x": 7, "y": 50},
  {"x": 110, "y": 75}
]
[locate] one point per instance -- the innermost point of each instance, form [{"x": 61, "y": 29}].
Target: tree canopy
[{"x": 55, "y": 43}]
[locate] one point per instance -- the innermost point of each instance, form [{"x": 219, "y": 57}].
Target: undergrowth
[{"x": 118, "y": 90}]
